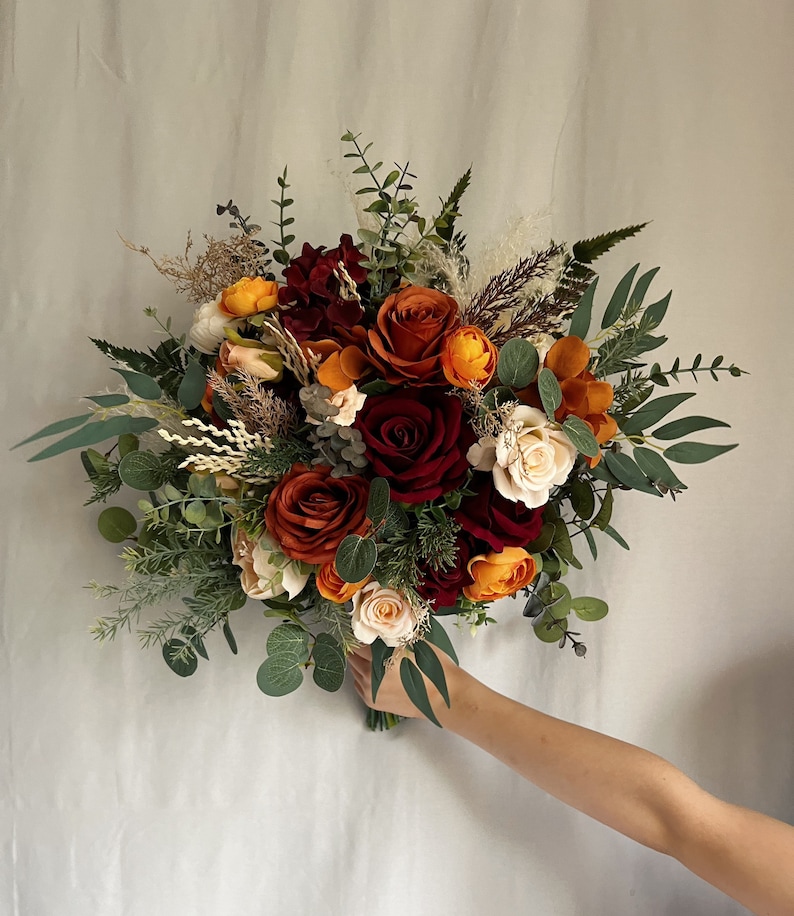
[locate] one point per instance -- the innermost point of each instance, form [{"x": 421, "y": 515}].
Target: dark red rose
[
  {"x": 499, "y": 521},
  {"x": 311, "y": 294},
  {"x": 441, "y": 587},
  {"x": 417, "y": 439},
  {"x": 310, "y": 513}
]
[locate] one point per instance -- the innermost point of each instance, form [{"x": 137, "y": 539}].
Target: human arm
[{"x": 745, "y": 854}]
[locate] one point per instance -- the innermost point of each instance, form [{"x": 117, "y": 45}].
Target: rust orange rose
[
  {"x": 310, "y": 513},
  {"x": 249, "y": 296},
  {"x": 408, "y": 336},
  {"x": 468, "y": 356},
  {"x": 331, "y": 586},
  {"x": 583, "y": 395},
  {"x": 497, "y": 575}
]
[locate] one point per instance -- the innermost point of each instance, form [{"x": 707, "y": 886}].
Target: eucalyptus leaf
[
  {"x": 437, "y": 635},
  {"x": 97, "y": 431},
  {"x": 629, "y": 473},
  {"x": 695, "y": 452},
  {"x": 195, "y": 512},
  {"x": 608, "y": 529},
  {"x": 94, "y": 462},
  {"x": 380, "y": 654},
  {"x": 378, "y": 501},
  {"x": 550, "y": 392},
  {"x": 658, "y": 310},
  {"x": 685, "y": 426},
  {"x": 138, "y": 383},
  {"x": 229, "y": 637},
  {"x": 604, "y": 514},
  {"x": 431, "y": 667},
  {"x": 547, "y": 629},
  {"x": 414, "y": 685},
  {"x": 619, "y": 298},
  {"x": 288, "y": 638},
  {"x": 590, "y": 609},
  {"x": 141, "y": 470},
  {"x": 653, "y": 411},
  {"x": 582, "y": 498},
  {"x": 652, "y": 464},
  {"x": 279, "y": 675},
  {"x": 498, "y": 396},
  {"x": 518, "y": 363},
  {"x": 641, "y": 287},
  {"x": 116, "y": 524},
  {"x": 193, "y": 385},
  {"x": 329, "y": 666},
  {"x": 60, "y": 426},
  {"x": 195, "y": 639},
  {"x": 109, "y": 400},
  {"x": 543, "y": 540},
  {"x": 580, "y": 319},
  {"x": 355, "y": 558},
  {"x": 128, "y": 442},
  {"x": 184, "y": 666},
  {"x": 582, "y": 436}
]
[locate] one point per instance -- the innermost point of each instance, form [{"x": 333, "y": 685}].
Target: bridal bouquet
[{"x": 371, "y": 437}]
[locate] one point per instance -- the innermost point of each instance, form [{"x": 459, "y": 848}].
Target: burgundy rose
[
  {"x": 416, "y": 439},
  {"x": 499, "y": 521},
  {"x": 441, "y": 587},
  {"x": 310, "y": 300}
]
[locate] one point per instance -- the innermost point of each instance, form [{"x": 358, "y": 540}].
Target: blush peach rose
[
  {"x": 248, "y": 296},
  {"x": 498, "y": 575},
  {"x": 468, "y": 356},
  {"x": 381, "y": 612}
]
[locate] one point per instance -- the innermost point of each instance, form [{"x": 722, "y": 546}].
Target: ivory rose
[
  {"x": 379, "y": 611},
  {"x": 527, "y": 458},
  {"x": 468, "y": 356},
  {"x": 498, "y": 575},
  {"x": 207, "y": 332},
  {"x": 248, "y": 296},
  {"x": 266, "y": 571}
]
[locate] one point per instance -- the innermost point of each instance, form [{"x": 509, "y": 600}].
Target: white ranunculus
[
  {"x": 527, "y": 458},
  {"x": 266, "y": 571},
  {"x": 206, "y": 333},
  {"x": 379, "y": 611}
]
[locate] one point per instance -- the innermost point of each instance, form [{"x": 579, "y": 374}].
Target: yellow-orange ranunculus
[
  {"x": 497, "y": 575},
  {"x": 249, "y": 296},
  {"x": 468, "y": 356},
  {"x": 331, "y": 586}
]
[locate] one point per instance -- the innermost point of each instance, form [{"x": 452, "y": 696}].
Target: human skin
[{"x": 747, "y": 855}]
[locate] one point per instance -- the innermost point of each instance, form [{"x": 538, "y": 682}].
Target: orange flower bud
[
  {"x": 249, "y": 296},
  {"x": 498, "y": 575},
  {"x": 331, "y": 586},
  {"x": 468, "y": 356}
]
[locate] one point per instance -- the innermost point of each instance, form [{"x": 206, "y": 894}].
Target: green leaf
[
  {"x": 498, "y": 396},
  {"x": 588, "y": 535},
  {"x": 128, "y": 442},
  {"x": 279, "y": 675},
  {"x": 548, "y": 629},
  {"x": 380, "y": 654},
  {"x": 329, "y": 663},
  {"x": 588, "y": 250},
  {"x": 95, "y": 432},
  {"x": 641, "y": 287},
  {"x": 229, "y": 637},
  {"x": 116, "y": 524},
  {"x": 287, "y": 638},
  {"x": 543, "y": 541},
  {"x": 94, "y": 462},
  {"x": 695, "y": 452},
  {"x": 582, "y": 498},
  {"x": 582, "y": 436},
  {"x": 138, "y": 383},
  {"x": 562, "y": 543},
  {"x": 557, "y": 598},
  {"x": 109, "y": 400},
  {"x": 60, "y": 426},
  {"x": 652, "y": 464},
  {"x": 580, "y": 319},
  {"x": 628, "y": 473},
  {"x": 685, "y": 426},
  {"x": 518, "y": 363},
  {"x": 355, "y": 558},
  {"x": 378, "y": 501},
  {"x": 429, "y": 665},
  {"x": 141, "y": 470},
  {"x": 589, "y": 609},
  {"x": 193, "y": 385},
  {"x": 195, "y": 639},
  {"x": 550, "y": 392},
  {"x": 370, "y": 237},
  {"x": 605, "y": 512},
  {"x": 438, "y": 636},
  {"x": 414, "y": 685},
  {"x": 619, "y": 298},
  {"x": 184, "y": 667},
  {"x": 608, "y": 529},
  {"x": 195, "y": 512},
  {"x": 657, "y": 311},
  {"x": 653, "y": 411}
]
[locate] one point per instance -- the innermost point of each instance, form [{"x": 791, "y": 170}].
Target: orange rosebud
[
  {"x": 249, "y": 296},
  {"x": 468, "y": 356},
  {"x": 331, "y": 586},
  {"x": 498, "y": 575}
]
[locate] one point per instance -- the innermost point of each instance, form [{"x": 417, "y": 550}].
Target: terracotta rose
[
  {"x": 407, "y": 340},
  {"x": 310, "y": 513}
]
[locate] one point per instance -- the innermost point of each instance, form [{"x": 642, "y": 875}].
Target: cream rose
[
  {"x": 527, "y": 458},
  {"x": 266, "y": 572},
  {"x": 349, "y": 401},
  {"x": 259, "y": 361},
  {"x": 379, "y": 611},
  {"x": 206, "y": 333}
]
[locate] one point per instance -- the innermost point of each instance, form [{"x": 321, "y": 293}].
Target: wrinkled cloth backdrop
[{"x": 126, "y": 790}]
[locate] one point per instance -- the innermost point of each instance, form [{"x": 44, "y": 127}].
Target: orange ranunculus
[
  {"x": 249, "y": 296},
  {"x": 409, "y": 332},
  {"x": 341, "y": 366},
  {"x": 498, "y": 575},
  {"x": 468, "y": 356},
  {"x": 310, "y": 512},
  {"x": 582, "y": 395},
  {"x": 331, "y": 586}
]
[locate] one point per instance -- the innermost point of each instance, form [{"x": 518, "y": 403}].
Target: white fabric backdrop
[{"x": 126, "y": 790}]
